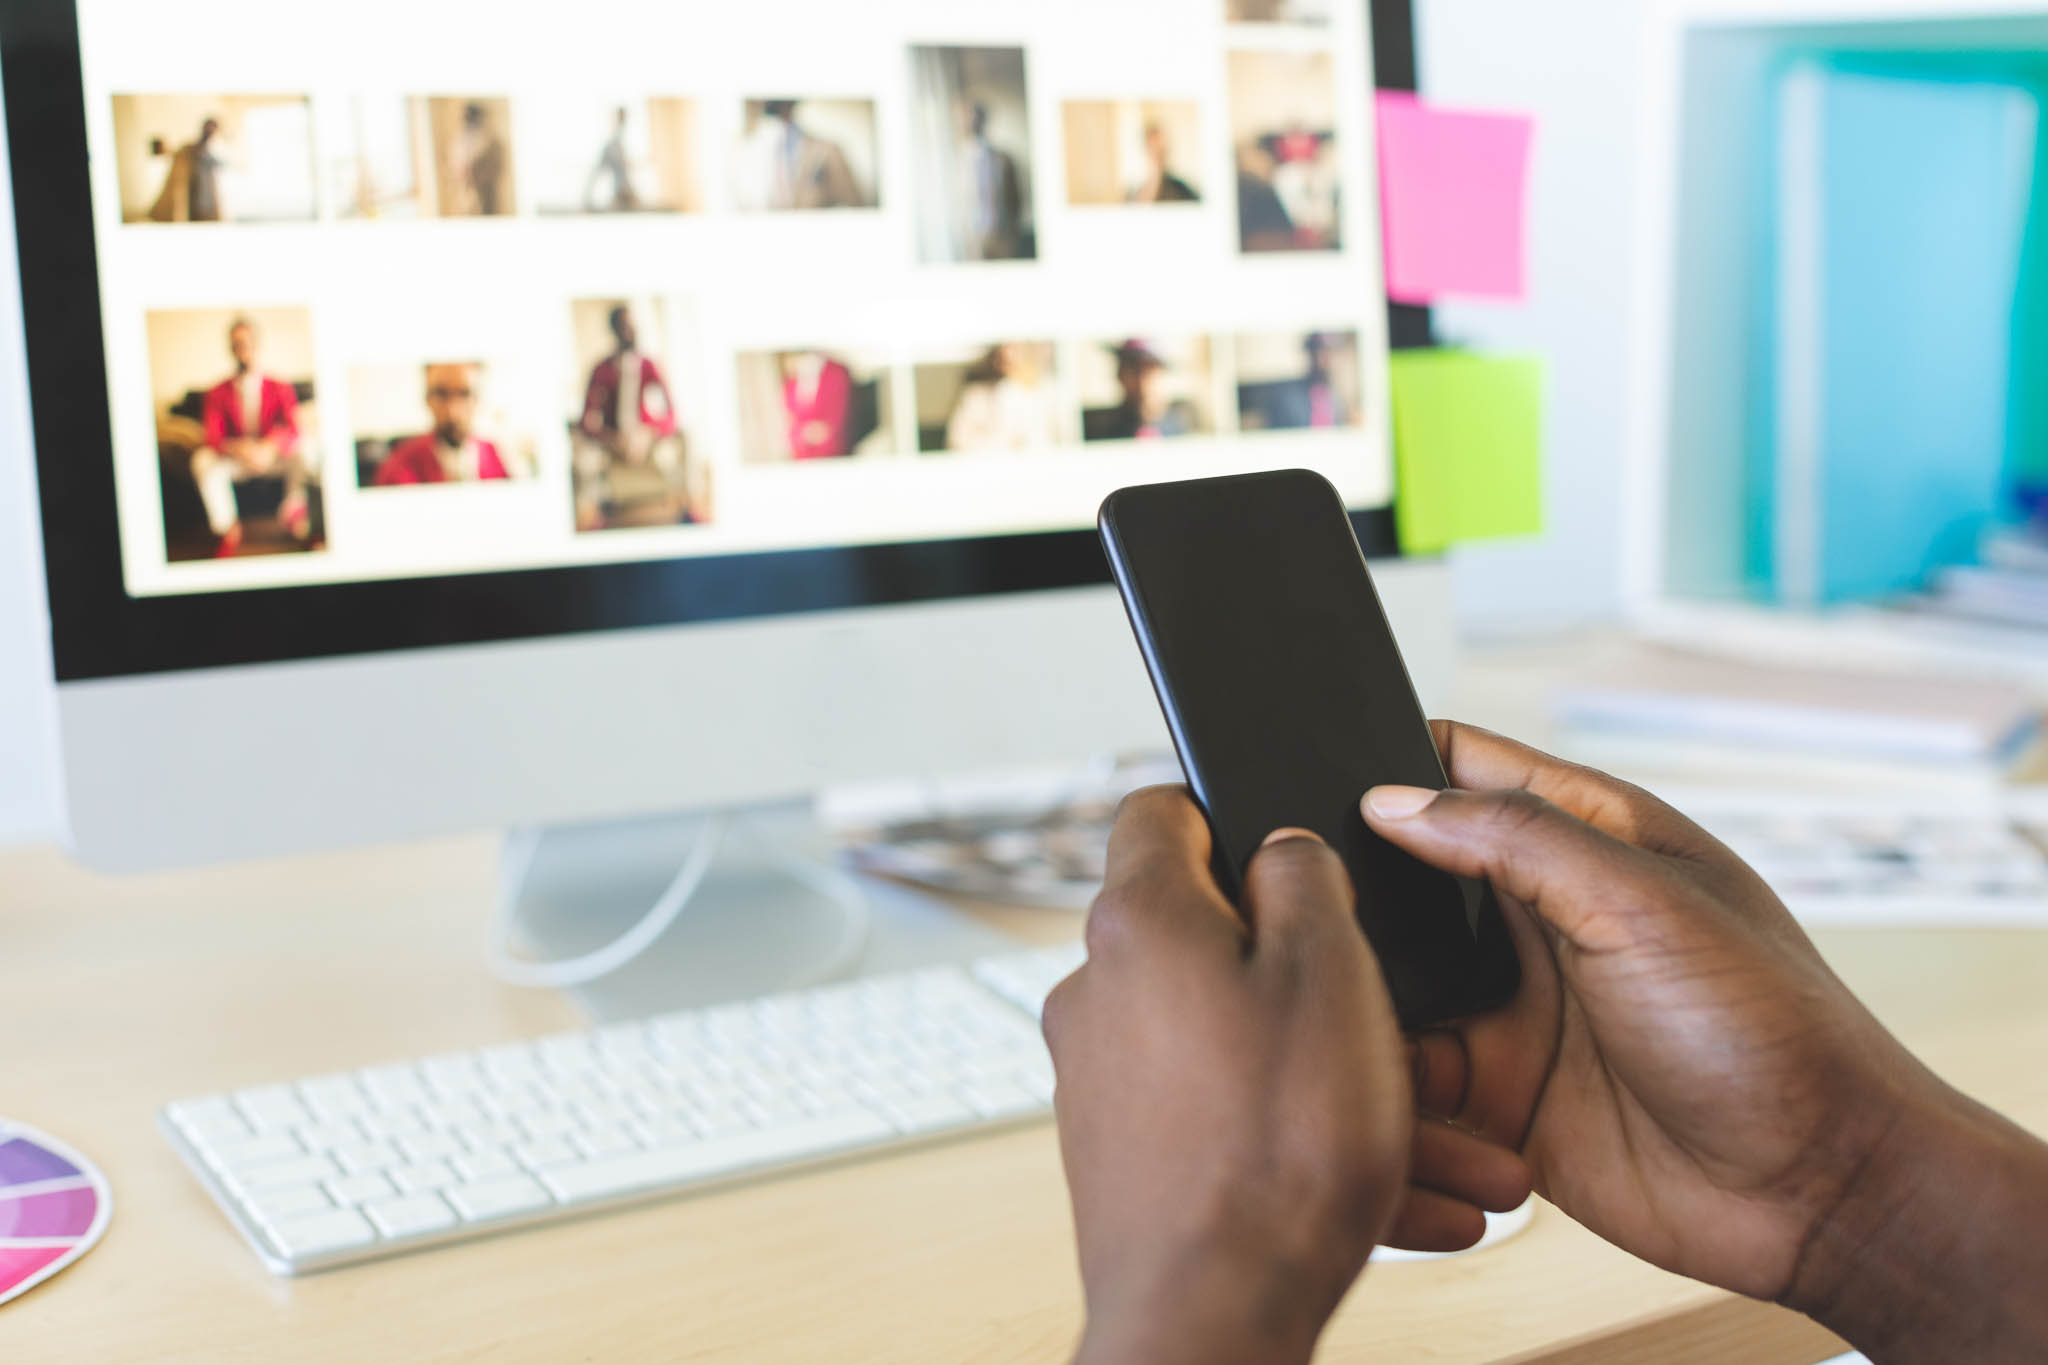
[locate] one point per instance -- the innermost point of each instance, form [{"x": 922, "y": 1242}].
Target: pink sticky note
[{"x": 1452, "y": 194}]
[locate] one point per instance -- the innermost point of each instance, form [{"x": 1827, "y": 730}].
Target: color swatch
[{"x": 53, "y": 1207}]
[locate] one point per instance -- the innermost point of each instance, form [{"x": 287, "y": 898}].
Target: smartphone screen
[{"x": 1287, "y": 698}]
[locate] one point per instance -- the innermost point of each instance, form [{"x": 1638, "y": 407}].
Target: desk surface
[{"x": 127, "y": 993}]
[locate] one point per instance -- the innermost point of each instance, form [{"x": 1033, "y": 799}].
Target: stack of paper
[{"x": 1725, "y": 708}]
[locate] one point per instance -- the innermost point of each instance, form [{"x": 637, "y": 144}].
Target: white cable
[
  {"x": 520, "y": 847},
  {"x": 856, "y": 917}
]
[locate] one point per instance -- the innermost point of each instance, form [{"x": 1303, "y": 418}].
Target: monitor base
[{"x": 772, "y": 912}]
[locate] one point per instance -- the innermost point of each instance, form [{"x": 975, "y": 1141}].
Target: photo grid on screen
[{"x": 665, "y": 298}]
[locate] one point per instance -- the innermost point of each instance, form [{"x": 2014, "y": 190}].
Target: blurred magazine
[{"x": 1674, "y": 697}]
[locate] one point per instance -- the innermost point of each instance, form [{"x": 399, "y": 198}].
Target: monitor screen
[{"x": 396, "y": 292}]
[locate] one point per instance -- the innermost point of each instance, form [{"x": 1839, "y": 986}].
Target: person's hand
[
  {"x": 1233, "y": 1096},
  {"x": 1680, "y": 1070}
]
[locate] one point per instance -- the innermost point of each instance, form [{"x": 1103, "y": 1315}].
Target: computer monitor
[{"x": 450, "y": 419}]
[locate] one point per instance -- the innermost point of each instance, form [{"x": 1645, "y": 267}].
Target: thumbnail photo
[
  {"x": 1277, "y": 11},
  {"x": 805, "y": 154},
  {"x": 1283, "y": 116},
  {"x": 238, "y": 448},
  {"x": 214, "y": 158},
  {"x": 421, "y": 157},
  {"x": 631, "y": 454},
  {"x": 1142, "y": 389},
  {"x": 591, "y": 154},
  {"x": 1133, "y": 152},
  {"x": 435, "y": 422},
  {"x": 813, "y": 405},
  {"x": 972, "y": 140},
  {"x": 1291, "y": 380},
  {"x": 375, "y": 148},
  {"x": 1004, "y": 397},
  {"x": 472, "y": 156}
]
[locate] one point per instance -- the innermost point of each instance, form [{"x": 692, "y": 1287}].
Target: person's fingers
[
  {"x": 1158, "y": 833},
  {"x": 1297, "y": 895},
  {"x": 1480, "y": 760},
  {"x": 1467, "y": 1167},
  {"x": 1587, "y": 884},
  {"x": 1442, "y": 1072},
  {"x": 1158, "y": 887},
  {"x": 1429, "y": 1221}
]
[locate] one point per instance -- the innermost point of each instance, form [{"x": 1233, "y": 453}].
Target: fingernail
[
  {"x": 1398, "y": 803},
  {"x": 1290, "y": 832}
]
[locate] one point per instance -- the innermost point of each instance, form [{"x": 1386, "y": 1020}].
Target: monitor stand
[{"x": 773, "y": 912}]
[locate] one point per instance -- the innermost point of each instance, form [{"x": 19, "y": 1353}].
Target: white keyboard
[{"x": 353, "y": 1166}]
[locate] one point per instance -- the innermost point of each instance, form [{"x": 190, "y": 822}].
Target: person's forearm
[{"x": 1940, "y": 1251}]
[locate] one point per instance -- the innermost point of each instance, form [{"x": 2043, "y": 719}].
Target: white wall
[
  {"x": 28, "y": 736},
  {"x": 1575, "y": 65}
]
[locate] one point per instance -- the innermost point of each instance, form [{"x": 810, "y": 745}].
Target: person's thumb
[
  {"x": 1586, "y": 884},
  {"x": 1296, "y": 893}
]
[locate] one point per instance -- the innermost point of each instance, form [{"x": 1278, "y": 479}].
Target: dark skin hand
[
  {"x": 1686, "y": 1077},
  {"x": 1269, "y": 1040},
  {"x": 1680, "y": 1072}
]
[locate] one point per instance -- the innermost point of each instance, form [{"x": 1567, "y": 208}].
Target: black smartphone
[{"x": 1287, "y": 698}]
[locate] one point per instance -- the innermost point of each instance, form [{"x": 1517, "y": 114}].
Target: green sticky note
[{"x": 1468, "y": 447}]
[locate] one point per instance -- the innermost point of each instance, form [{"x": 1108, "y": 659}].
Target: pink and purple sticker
[{"x": 53, "y": 1207}]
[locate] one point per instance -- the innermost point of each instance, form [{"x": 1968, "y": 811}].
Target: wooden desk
[{"x": 119, "y": 995}]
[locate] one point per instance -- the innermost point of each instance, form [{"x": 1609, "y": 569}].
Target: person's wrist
[
  {"x": 1219, "y": 1308},
  {"x": 1923, "y": 1231}
]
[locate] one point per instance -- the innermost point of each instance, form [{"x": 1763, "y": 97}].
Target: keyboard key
[
  {"x": 929, "y": 1113},
  {"x": 478, "y": 1137},
  {"x": 334, "y": 1097},
  {"x": 547, "y": 1123},
  {"x": 544, "y": 1152},
  {"x": 429, "y": 1146},
  {"x": 325, "y": 1137},
  {"x": 496, "y": 1198},
  {"x": 410, "y": 1215},
  {"x": 211, "y": 1121},
  {"x": 272, "y": 1106},
  {"x": 453, "y": 1111},
  {"x": 285, "y": 1202},
  {"x": 429, "y": 1175},
  {"x": 251, "y": 1151},
  {"x": 484, "y": 1164},
  {"x": 318, "y": 1232},
  {"x": 357, "y": 1157},
  {"x": 1002, "y": 1100},
  {"x": 393, "y": 1086},
  {"x": 1038, "y": 1080},
  {"x": 716, "y": 1156},
  {"x": 298, "y": 1170},
  {"x": 358, "y": 1189},
  {"x": 659, "y": 1130},
  {"x": 598, "y": 1142},
  {"x": 393, "y": 1123},
  {"x": 454, "y": 1073},
  {"x": 202, "y": 1110}
]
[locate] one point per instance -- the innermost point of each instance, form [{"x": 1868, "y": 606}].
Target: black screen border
[{"x": 100, "y": 631}]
